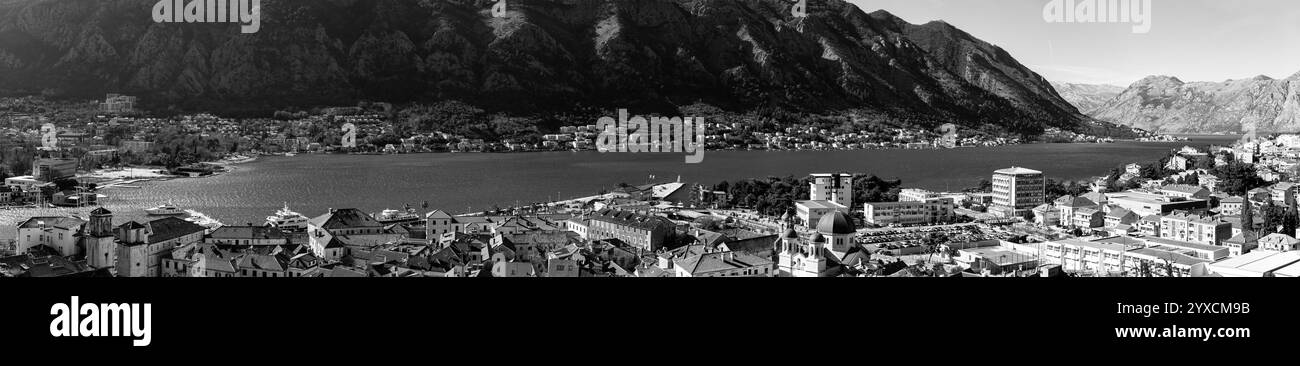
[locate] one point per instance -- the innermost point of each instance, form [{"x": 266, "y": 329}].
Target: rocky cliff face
[
  {"x": 1087, "y": 97},
  {"x": 546, "y": 55},
  {"x": 1167, "y": 104}
]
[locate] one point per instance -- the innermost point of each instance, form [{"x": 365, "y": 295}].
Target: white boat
[
  {"x": 165, "y": 210},
  {"x": 397, "y": 216},
  {"x": 203, "y": 220},
  {"x": 287, "y": 219}
]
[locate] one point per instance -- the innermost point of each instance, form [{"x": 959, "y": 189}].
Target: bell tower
[{"x": 101, "y": 246}]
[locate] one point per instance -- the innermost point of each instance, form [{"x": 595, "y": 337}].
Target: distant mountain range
[
  {"x": 1087, "y": 97},
  {"x": 547, "y": 55},
  {"x": 1169, "y": 105}
]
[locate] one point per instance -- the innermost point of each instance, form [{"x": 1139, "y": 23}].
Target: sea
[{"x": 312, "y": 184}]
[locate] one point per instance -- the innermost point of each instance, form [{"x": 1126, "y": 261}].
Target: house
[
  {"x": 1088, "y": 218},
  {"x": 1279, "y": 243},
  {"x": 247, "y": 236},
  {"x": 343, "y": 229},
  {"x": 723, "y": 264},
  {"x": 1186, "y": 191},
  {"x": 60, "y": 233},
  {"x": 1066, "y": 205},
  {"x": 141, "y": 246},
  {"x": 1231, "y": 206},
  {"x": 1047, "y": 215},
  {"x": 1149, "y": 225},
  {"x": 1282, "y": 194},
  {"x": 1120, "y": 216}
]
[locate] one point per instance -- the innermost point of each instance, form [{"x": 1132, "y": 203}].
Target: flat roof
[
  {"x": 1292, "y": 270},
  {"x": 1184, "y": 244},
  {"x": 1260, "y": 261},
  {"x": 820, "y": 204},
  {"x": 1018, "y": 171}
]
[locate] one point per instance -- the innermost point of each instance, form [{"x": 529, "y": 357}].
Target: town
[{"x": 1223, "y": 212}]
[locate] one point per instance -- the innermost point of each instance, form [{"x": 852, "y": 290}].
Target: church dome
[
  {"x": 790, "y": 234},
  {"x": 836, "y": 223},
  {"x": 818, "y": 238}
]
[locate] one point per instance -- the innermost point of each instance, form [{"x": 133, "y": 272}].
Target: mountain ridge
[
  {"x": 1170, "y": 105},
  {"x": 545, "y": 55}
]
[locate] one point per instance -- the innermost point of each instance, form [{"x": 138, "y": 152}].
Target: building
[
  {"x": 141, "y": 247},
  {"x": 1255, "y": 264},
  {"x": 1120, "y": 216},
  {"x": 829, "y": 252},
  {"x": 1066, "y": 205},
  {"x": 1231, "y": 206},
  {"x": 933, "y": 211},
  {"x": 635, "y": 229},
  {"x": 1196, "y": 228},
  {"x": 1088, "y": 218},
  {"x": 1279, "y": 243},
  {"x": 1176, "y": 163},
  {"x": 1017, "y": 191},
  {"x": 1283, "y": 194},
  {"x": 1121, "y": 258},
  {"x": 917, "y": 195},
  {"x": 836, "y": 188},
  {"x": 99, "y": 241},
  {"x": 1047, "y": 215},
  {"x": 1144, "y": 204},
  {"x": 49, "y": 170},
  {"x": 343, "y": 229},
  {"x": 63, "y": 234},
  {"x": 247, "y": 236},
  {"x": 117, "y": 103},
  {"x": 723, "y": 264},
  {"x": 1185, "y": 191},
  {"x": 439, "y": 222},
  {"x": 810, "y": 212}
]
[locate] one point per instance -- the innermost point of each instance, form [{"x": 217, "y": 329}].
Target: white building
[
  {"x": 836, "y": 188},
  {"x": 60, "y": 233},
  {"x": 1017, "y": 191}
]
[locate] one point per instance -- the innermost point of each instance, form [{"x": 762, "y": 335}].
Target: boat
[
  {"x": 203, "y": 220},
  {"x": 287, "y": 219},
  {"x": 397, "y": 216},
  {"x": 165, "y": 210}
]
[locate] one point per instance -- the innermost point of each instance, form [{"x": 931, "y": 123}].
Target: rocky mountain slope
[
  {"x": 1167, "y": 104},
  {"x": 1087, "y": 97},
  {"x": 546, "y": 55}
]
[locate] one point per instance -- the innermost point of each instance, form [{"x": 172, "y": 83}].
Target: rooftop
[{"x": 1018, "y": 171}]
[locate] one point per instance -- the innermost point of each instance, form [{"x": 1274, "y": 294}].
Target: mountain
[
  {"x": 1087, "y": 97},
  {"x": 546, "y": 55},
  {"x": 1167, "y": 104}
]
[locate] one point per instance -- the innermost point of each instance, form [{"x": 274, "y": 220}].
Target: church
[{"x": 830, "y": 251}]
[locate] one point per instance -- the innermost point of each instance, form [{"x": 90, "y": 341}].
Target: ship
[
  {"x": 286, "y": 219},
  {"x": 397, "y": 216},
  {"x": 165, "y": 210}
]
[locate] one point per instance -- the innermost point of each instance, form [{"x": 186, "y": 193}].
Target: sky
[{"x": 1193, "y": 40}]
